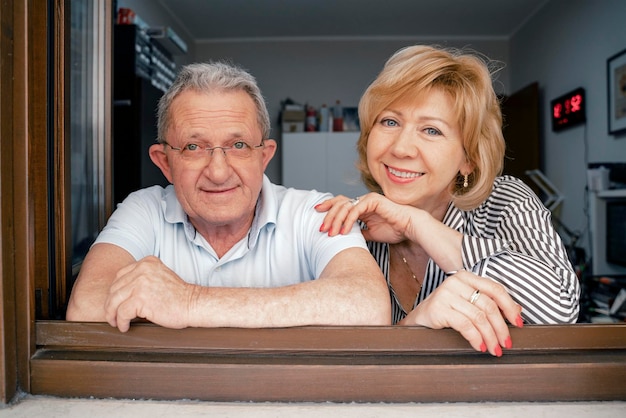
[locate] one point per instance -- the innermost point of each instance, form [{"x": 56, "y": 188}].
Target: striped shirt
[{"x": 510, "y": 239}]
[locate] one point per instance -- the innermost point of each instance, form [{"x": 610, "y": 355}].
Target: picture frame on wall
[{"x": 616, "y": 89}]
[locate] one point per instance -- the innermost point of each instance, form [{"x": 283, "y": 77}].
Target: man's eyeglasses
[{"x": 240, "y": 150}]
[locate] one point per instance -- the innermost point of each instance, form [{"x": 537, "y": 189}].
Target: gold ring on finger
[{"x": 474, "y": 296}]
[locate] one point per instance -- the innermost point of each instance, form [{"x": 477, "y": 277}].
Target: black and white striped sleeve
[{"x": 512, "y": 240}]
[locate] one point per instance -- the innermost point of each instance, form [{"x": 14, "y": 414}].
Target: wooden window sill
[{"x": 338, "y": 364}]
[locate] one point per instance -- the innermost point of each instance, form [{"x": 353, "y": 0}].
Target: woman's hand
[
  {"x": 479, "y": 317},
  {"x": 474, "y": 306},
  {"x": 386, "y": 221}
]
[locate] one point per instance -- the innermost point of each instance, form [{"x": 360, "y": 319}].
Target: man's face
[{"x": 216, "y": 189}]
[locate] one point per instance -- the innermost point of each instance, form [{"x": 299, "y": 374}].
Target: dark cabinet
[{"x": 137, "y": 88}]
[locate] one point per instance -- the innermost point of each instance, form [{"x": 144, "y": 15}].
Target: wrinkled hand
[
  {"x": 386, "y": 221},
  {"x": 148, "y": 289},
  {"x": 481, "y": 323}
]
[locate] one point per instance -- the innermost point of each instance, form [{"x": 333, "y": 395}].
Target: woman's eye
[
  {"x": 191, "y": 147},
  {"x": 432, "y": 131},
  {"x": 388, "y": 122}
]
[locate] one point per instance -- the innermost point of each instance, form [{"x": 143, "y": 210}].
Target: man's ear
[
  {"x": 268, "y": 151},
  {"x": 161, "y": 160}
]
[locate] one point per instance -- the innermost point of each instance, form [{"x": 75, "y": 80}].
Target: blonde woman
[{"x": 460, "y": 245}]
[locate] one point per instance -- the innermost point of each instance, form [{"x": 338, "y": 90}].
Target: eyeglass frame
[{"x": 211, "y": 149}]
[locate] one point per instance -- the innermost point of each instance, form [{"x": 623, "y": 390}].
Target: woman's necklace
[{"x": 419, "y": 283}]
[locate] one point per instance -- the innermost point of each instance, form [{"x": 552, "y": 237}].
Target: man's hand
[
  {"x": 115, "y": 288},
  {"x": 148, "y": 289}
]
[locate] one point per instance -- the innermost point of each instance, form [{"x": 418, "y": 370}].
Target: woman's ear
[
  {"x": 466, "y": 168},
  {"x": 160, "y": 159}
]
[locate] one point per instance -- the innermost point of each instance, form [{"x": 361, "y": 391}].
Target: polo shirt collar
[
  {"x": 265, "y": 213},
  {"x": 174, "y": 213}
]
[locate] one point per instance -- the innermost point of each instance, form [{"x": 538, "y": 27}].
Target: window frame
[
  {"x": 342, "y": 364},
  {"x": 327, "y": 364}
]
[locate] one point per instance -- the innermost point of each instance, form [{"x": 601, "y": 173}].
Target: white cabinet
[
  {"x": 598, "y": 201},
  {"x": 324, "y": 161}
]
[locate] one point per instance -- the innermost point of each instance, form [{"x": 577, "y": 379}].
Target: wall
[
  {"x": 324, "y": 70},
  {"x": 565, "y": 46}
]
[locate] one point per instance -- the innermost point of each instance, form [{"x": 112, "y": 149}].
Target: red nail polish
[
  {"x": 508, "y": 343},
  {"x": 483, "y": 347},
  {"x": 519, "y": 321},
  {"x": 317, "y": 206},
  {"x": 498, "y": 351},
  {"x": 322, "y": 228}
]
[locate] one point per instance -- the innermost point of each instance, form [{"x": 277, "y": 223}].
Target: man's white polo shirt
[{"x": 284, "y": 245}]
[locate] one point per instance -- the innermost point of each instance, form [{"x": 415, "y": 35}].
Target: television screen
[{"x": 616, "y": 232}]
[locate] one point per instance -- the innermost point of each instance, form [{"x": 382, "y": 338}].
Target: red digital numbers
[
  {"x": 568, "y": 110},
  {"x": 574, "y": 104}
]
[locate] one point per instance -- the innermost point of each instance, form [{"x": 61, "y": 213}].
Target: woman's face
[{"x": 415, "y": 150}]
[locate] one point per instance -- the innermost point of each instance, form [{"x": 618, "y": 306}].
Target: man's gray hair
[{"x": 209, "y": 77}]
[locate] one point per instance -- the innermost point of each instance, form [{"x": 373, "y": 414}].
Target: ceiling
[{"x": 246, "y": 19}]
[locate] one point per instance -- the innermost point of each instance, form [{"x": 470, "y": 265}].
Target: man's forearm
[
  {"x": 330, "y": 301},
  {"x": 350, "y": 291}
]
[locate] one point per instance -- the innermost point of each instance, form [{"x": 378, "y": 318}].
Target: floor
[{"x": 37, "y": 406}]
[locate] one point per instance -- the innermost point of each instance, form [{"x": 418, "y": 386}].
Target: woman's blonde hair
[{"x": 466, "y": 77}]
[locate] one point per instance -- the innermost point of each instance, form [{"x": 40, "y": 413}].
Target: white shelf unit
[{"x": 324, "y": 161}]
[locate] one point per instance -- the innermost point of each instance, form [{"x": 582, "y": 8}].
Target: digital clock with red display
[{"x": 568, "y": 110}]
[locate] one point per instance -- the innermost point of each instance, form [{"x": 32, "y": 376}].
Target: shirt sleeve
[
  {"x": 525, "y": 254},
  {"x": 132, "y": 224},
  {"x": 321, "y": 247}
]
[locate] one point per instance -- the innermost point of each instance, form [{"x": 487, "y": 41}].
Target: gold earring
[{"x": 465, "y": 182}]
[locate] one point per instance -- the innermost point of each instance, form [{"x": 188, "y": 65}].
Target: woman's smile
[{"x": 403, "y": 174}]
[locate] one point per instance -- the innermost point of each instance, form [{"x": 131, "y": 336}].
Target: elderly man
[{"x": 222, "y": 246}]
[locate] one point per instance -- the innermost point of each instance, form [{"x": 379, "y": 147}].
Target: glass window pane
[{"x": 86, "y": 125}]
